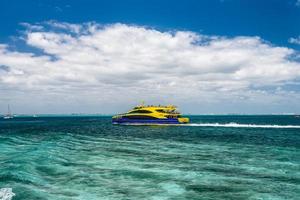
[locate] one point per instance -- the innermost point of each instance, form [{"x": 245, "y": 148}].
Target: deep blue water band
[{"x": 145, "y": 121}]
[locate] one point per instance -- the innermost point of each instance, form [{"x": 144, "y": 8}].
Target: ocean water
[{"x": 215, "y": 157}]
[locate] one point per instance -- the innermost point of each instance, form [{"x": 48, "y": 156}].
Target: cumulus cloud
[
  {"x": 294, "y": 40},
  {"x": 108, "y": 64}
]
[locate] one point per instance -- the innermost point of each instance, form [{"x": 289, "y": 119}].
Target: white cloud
[
  {"x": 298, "y": 3},
  {"x": 31, "y": 27},
  {"x": 125, "y": 63},
  {"x": 66, "y": 26},
  {"x": 294, "y": 40}
]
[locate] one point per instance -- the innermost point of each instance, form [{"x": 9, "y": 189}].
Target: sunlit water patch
[{"x": 88, "y": 158}]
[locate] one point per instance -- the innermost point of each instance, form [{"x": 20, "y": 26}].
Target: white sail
[{"x": 8, "y": 115}]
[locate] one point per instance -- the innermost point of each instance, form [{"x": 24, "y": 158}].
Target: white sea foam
[
  {"x": 6, "y": 194},
  {"x": 236, "y": 125},
  {"x": 229, "y": 125}
]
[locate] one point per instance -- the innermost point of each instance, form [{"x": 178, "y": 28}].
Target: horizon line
[{"x": 110, "y": 114}]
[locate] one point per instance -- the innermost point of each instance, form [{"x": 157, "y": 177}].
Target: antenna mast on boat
[
  {"x": 8, "y": 115},
  {"x": 8, "y": 110}
]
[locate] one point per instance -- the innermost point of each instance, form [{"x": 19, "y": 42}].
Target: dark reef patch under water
[{"x": 89, "y": 158}]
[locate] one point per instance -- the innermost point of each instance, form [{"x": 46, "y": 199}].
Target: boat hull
[
  {"x": 7, "y": 117},
  {"x": 146, "y": 121}
]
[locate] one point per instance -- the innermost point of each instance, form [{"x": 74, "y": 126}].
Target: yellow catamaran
[{"x": 148, "y": 115}]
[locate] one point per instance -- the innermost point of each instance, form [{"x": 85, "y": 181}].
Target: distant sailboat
[{"x": 8, "y": 115}]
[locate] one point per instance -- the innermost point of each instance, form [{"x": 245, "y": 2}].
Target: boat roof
[{"x": 156, "y": 106}]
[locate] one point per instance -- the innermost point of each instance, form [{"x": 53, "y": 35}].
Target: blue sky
[
  {"x": 27, "y": 29},
  {"x": 273, "y": 20}
]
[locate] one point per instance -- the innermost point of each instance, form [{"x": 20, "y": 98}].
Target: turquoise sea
[{"x": 215, "y": 157}]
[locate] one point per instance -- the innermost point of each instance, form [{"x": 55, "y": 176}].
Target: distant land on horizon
[{"x": 99, "y": 114}]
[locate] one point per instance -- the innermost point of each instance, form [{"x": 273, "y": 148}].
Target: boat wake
[
  {"x": 6, "y": 194},
  {"x": 236, "y": 125}
]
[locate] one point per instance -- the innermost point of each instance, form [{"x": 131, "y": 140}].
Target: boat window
[
  {"x": 139, "y": 117},
  {"x": 167, "y": 111},
  {"x": 173, "y": 116},
  {"x": 140, "y": 111},
  {"x": 161, "y": 111}
]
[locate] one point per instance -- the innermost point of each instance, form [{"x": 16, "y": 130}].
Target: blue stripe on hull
[{"x": 145, "y": 121}]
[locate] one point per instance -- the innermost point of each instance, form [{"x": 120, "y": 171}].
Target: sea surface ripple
[{"x": 60, "y": 158}]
